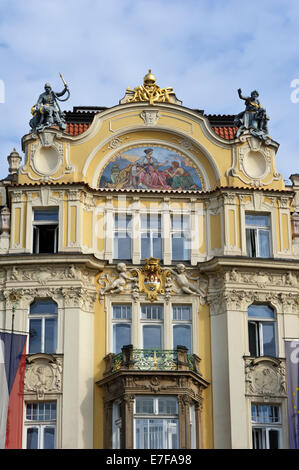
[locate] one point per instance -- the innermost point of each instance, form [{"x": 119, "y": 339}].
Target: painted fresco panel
[{"x": 152, "y": 167}]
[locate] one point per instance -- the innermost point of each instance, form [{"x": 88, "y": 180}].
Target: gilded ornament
[{"x": 149, "y": 91}]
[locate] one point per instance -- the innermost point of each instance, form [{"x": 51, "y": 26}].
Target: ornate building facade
[{"x": 151, "y": 251}]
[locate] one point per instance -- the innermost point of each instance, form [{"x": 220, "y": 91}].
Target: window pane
[
  {"x": 43, "y": 306},
  {"x": 182, "y": 336},
  {"x": 180, "y": 247},
  {"x": 152, "y": 312},
  {"x": 260, "y": 311},
  {"x": 264, "y": 243},
  {"x": 167, "y": 406},
  {"x": 48, "y": 215},
  {"x": 273, "y": 439},
  {"x": 49, "y": 438},
  {"x": 269, "y": 339},
  {"x": 250, "y": 243},
  {"x": 145, "y": 245},
  {"x": 50, "y": 335},
  {"x": 122, "y": 246},
  {"x": 156, "y": 433},
  {"x": 144, "y": 405},
  {"x": 257, "y": 220},
  {"x": 32, "y": 438},
  {"x": 181, "y": 312},
  {"x": 121, "y": 336},
  {"x": 122, "y": 221},
  {"x": 253, "y": 339},
  {"x": 35, "y": 336},
  {"x": 152, "y": 337},
  {"x": 122, "y": 312},
  {"x": 157, "y": 246}
]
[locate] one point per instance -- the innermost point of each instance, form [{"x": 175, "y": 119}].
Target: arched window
[
  {"x": 262, "y": 330},
  {"x": 43, "y": 327}
]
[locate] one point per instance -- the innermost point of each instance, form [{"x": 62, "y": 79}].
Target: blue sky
[{"x": 204, "y": 49}]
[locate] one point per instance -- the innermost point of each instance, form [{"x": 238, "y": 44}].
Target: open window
[{"x": 45, "y": 231}]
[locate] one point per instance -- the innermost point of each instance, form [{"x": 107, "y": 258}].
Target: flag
[
  {"x": 12, "y": 373},
  {"x": 292, "y": 369}
]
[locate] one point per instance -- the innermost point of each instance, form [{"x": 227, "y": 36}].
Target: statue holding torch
[{"x": 46, "y": 112}]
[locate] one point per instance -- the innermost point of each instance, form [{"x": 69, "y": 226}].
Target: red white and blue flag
[{"x": 12, "y": 372}]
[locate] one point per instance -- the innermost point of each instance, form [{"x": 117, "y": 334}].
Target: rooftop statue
[
  {"x": 150, "y": 92},
  {"x": 254, "y": 119},
  {"x": 46, "y": 112}
]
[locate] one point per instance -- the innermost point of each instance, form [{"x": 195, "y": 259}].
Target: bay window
[{"x": 156, "y": 422}]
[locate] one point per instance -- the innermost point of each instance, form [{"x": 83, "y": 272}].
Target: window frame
[
  {"x": 183, "y": 231},
  {"x": 42, "y": 317},
  {"x": 182, "y": 322},
  {"x": 157, "y": 416},
  {"x": 264, "y": 427},
  {"x": 256, "y": 229},
  {"x": 120, "y": 321},
  {"x": 40, "y": 425},
  {"x": 152, "y": 322},
  {"x": 259, "y": 322},
  {"x": 128, "y": 230},
  {"x": 37, "y": 226},
  {"x": 152, "y": 232}
]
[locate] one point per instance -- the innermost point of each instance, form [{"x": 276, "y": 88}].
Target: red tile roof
[
  {"x": 227, "y": 133},
  {"x": 75, "y": 128}
]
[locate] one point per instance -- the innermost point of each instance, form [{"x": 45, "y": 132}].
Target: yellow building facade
[{"x": 153, "y": 256}]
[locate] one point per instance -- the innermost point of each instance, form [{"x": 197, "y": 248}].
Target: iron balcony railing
[{"x": 152, "y": 359}]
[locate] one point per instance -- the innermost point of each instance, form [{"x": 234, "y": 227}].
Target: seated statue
[
  {"x": 254, "y": 118},
  {"x": 46, "y": 112}
]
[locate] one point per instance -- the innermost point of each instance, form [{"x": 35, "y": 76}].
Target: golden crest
[{"x": 152, "y": 278}]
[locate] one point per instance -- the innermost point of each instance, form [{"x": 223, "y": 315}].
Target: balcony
[{"x": 152, "y": 360}]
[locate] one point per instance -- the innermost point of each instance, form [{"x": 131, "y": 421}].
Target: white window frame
[
  {"x": 42, "y": 317},
  {"x": 181, "y": 230},
  {"x": 40, "y": 425},
  {"x": 151, "y": 322},
  {"x": 152, "y": 232},
  {"x": 119, "y": 321},
  {"x": 36, "y": 224},
  {"x": 266, "y": 427},
  {"x": 256, "y": 230},
  {"x": 128, "y": 230},
  {"x": 182, "y": 323},
  {"x": 156, "y": 415},
  {"x": 259, "y": 338}
]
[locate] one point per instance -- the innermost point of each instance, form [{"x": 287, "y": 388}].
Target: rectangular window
[
  {"x": 152, "y": 326},
  {"x": 266, "y": 426},
  {"x": 122, "y": 237},
  {"x": 182, "y": 326},
  {"x": 261, "y": 331},
  {"x": 121, "y": 317},
  {"x": 151, "y": 236},
  {"x": 180, "y": 237},
  {"x": 40, "y": 425},
  {"x": 43, "y": 316},
  {"x": 258, "y": 231},
  {"x": 156, "y": 423},
  {"x": 45, "y": 230}
]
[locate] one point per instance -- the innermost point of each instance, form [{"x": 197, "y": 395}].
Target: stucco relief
[
  {"x": 43, "y": 375},
  {"x": 265, "y": 377},
  {"x": 153, "y": 280}
]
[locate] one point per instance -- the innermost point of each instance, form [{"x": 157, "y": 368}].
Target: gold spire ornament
[{"x": 149, "y": 91}]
